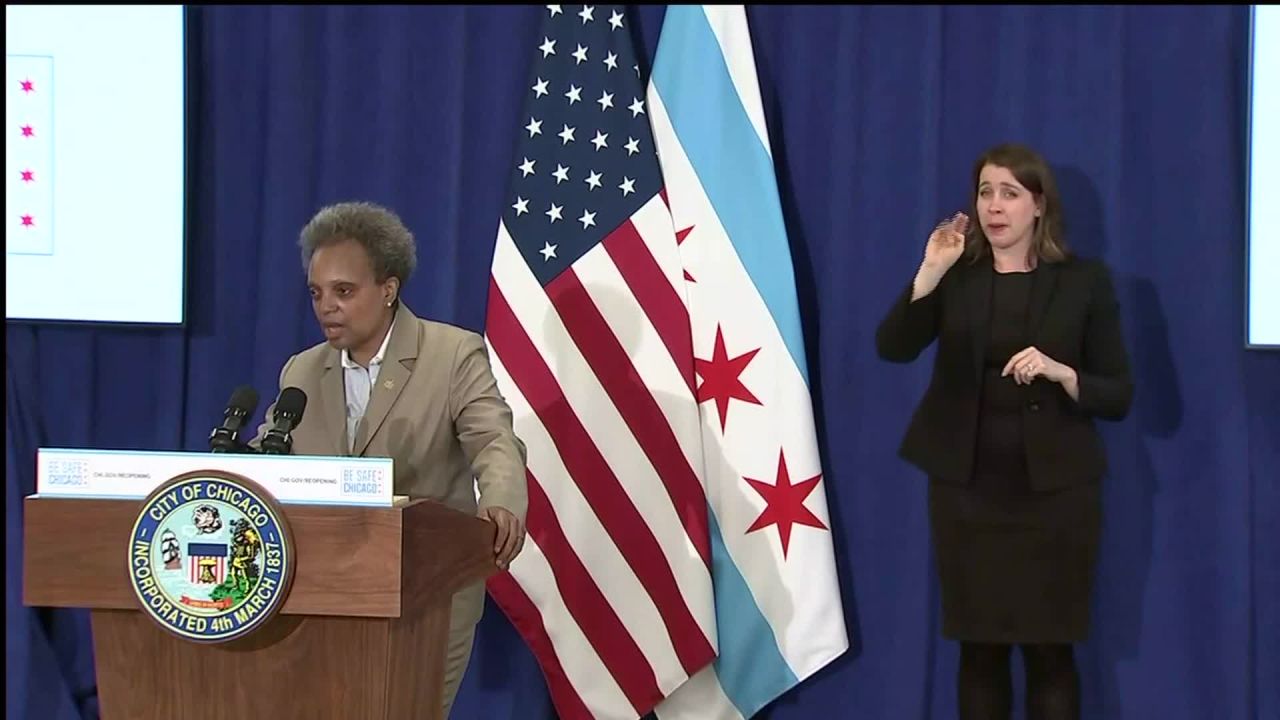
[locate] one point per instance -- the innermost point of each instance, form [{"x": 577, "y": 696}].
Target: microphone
[
  {"x": 288, "y": 413},
  {"x": 239, "y": 408}
]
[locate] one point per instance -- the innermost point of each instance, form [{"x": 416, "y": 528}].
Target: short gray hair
[{"x": 390, "y": 245}]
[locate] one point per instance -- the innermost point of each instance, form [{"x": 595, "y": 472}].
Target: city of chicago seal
[{"x": 211, "y": 556}]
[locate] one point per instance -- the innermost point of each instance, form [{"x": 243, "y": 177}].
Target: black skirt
[{"x": 1015, "y": 567}]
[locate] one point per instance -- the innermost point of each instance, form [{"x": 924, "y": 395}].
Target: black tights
[{"x": 985, "y": 688}]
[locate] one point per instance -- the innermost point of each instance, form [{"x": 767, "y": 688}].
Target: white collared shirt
[{"x": 358, "y": 382}]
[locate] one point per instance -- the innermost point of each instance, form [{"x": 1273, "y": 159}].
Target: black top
[{"x": 1001, "y": 460}]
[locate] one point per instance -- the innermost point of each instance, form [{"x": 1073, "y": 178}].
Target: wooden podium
[{"x": 361, "y": 635}]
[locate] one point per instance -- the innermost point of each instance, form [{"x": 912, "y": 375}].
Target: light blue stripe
[
  {"x": 751, "y": 668},
  {"x": 730, "y": 161}
]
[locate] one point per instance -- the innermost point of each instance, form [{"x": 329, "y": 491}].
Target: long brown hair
[{"x": 1048, "y": 242}]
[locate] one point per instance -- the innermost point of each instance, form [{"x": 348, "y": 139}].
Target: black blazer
[{"x": 1074, "y": 319}]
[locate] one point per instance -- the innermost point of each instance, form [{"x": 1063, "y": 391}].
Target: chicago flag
[{"x": 777, "y": 600}]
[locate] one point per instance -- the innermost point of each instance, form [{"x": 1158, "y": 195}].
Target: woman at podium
[{"x": 386, "y": 383}]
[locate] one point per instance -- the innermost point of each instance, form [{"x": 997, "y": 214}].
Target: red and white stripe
[
  {"x": 613, "y": 590},
  {"x": 219, "y": 569}
]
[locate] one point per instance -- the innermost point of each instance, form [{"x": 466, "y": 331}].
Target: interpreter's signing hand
[
  {"x": 946, "y": 242},
  {"x": 1030, "y": 363},
  {"x": 509, "y": 539}
]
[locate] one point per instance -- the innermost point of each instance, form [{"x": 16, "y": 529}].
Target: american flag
[{"x": 588, "y": 329}]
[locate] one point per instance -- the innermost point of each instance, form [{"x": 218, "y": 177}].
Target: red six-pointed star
[
  {"x": 720, "y": 378},
  {"x": 785, "y": 503}
]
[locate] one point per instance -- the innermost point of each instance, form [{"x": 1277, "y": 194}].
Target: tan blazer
[{"x": 435, "y": 409}]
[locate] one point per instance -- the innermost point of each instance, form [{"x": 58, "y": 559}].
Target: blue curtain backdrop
[{"x": 875, "y": 115}]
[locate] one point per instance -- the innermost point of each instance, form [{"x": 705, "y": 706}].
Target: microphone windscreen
[
  {"x": 244, "y": 399},
  {"x": 292, "y": 402}
]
